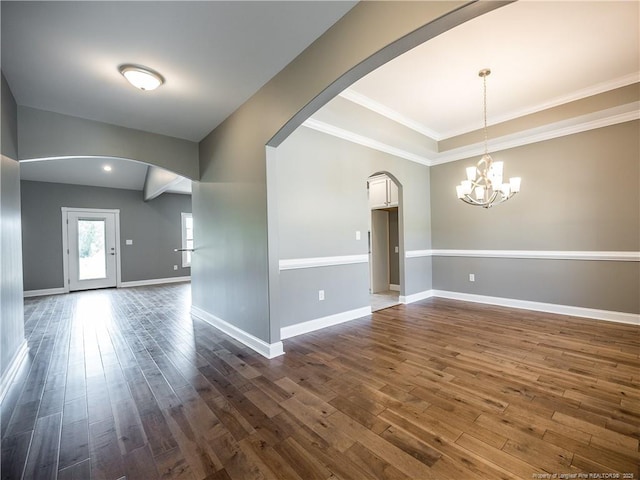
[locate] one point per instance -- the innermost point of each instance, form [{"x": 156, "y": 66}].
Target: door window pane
[{"x": 92, "y": 255}]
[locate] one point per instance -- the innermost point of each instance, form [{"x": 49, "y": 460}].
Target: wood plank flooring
[{"x": 123, "y": 383}]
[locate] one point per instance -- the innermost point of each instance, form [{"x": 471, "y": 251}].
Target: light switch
[
  {"x": 128, "y": 242},
  {"x": 397, "y": 249},
  {"x": 357, "y": 234}
]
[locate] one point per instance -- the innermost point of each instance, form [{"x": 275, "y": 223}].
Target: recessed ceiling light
[
  {"x": 107, "y": 168},
  {"x": 141, "y": 77}
]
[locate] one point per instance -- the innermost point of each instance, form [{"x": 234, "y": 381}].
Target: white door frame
[{"x": 65, "y": 241}]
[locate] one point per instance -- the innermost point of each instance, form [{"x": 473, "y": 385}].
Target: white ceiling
[
  {"x": 64, "y": 56},
  {"x": 214, "y": 55},
  {"x": 541, "y": 54}
]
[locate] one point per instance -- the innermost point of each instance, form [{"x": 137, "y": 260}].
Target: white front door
[{"x": 92, "y": 248}]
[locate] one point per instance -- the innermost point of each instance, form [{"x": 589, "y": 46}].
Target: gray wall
[
  {"x": 236, "y": 257},
  {"x": 11, "y": 306},
  {"x": 46, "y": 134},
  {"x": 154, "y": 227},
  {"x": 579, "y": 192},
  {"x": 322, "y": 202}
]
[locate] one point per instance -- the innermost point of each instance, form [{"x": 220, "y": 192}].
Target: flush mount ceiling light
[
  {"x": 107, "y": 168},
  {"x": 141, "y": 77},
  {"x": 483, "y": 186}
]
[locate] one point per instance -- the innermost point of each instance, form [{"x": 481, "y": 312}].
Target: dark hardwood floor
[{"x": 123, "y": 383}]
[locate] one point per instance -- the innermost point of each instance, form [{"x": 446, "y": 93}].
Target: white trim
[
  {"x": 530, "y": 254},
  {"x": 268, "y": 350},
  {"x": 12, "y": 370},
  {"x": 155, "y": 281},
  {"x": 418, "y": 253},
  {"x": 319, "y": 323},
  {"x": 416, "y": 296},
  {"x": 387, "y": 112},
  {"x": 604, "y": 118},
  {"x": 592, "y": 313},
  {"x": 43, "y": 292},
  {"x": 296, "y": 263},
  {"x": 584, "y": 123},
  {"x": 556, "y": 102},
  {"x": 608, "y": 315},
  {"x": 365, "y": 141},
  {"x": 390, "y": 113},
  {"x": 394, "y": 288}
]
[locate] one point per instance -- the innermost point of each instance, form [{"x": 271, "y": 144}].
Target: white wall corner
[
  {"x": 324, "y": 322},
  {"x": 268, "y": 350},
  {"x": 12, "y": 370}
]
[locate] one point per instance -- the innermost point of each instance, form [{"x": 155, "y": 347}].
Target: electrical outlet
[
  {"x": 472, "y": 277},
  {"x": 320, "y": 295},
  {"x": 175, "y": 267}
]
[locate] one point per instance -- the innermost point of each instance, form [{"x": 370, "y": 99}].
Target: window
[{"x": 187, "y": 238}]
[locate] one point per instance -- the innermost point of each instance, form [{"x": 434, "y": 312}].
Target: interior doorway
[
  {"x": 384, "y": 242},
  {"x": 90, "y": 248}
]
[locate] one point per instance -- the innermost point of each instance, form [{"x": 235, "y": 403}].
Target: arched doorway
[{"x": 385, "y": 279}]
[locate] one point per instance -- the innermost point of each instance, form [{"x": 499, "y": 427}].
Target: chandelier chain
[{"x": 486, "y": 137}]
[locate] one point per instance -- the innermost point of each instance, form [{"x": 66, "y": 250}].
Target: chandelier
[{"x": 483, "y": 186}]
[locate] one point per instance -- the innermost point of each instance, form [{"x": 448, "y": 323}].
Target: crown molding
[
  {"x": 366, "y": 102},
  {"x": 369, "y": 103},
  {"x": 555, "y": 102},
  {"x": 604, "y": 118},
  {"x": 365, "y": 141}
]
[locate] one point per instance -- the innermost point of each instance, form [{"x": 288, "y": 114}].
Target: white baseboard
[
  {"x": 269, "y": 350},
  {"x": 44, "y": 292},
  {"x": 12, "y": 370},
  {"x": 608, "y": 315},
  {"x": 155, "y": 281},
  {"x": 318, "y": 323},
  {"x": 394, "y": 288},
  {"x": 416, "y": 296}
]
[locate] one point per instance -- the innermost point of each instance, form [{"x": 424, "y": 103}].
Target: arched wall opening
[{"x": 237, "y": 202}]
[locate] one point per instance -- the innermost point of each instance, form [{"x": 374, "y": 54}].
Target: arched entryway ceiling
[
  {"x": 365, "y": 49},
  {"x": 43, "y": 134}
]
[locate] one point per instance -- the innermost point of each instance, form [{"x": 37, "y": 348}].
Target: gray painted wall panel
[
  {"x": 47, "y": 134},
  {"x": 299, "y": 292},
  {"x": 154, "y": 227},
  {"x": 230, "y": 269},
  {"x": 416, "y": 280},
  {"x": 11, "y": 304},
  {"x": 322, "y": 202},
  {"x": 9, "y": 122},
  {"x": 579, "y": 192},
  {"x": 601, "y": 285}
]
